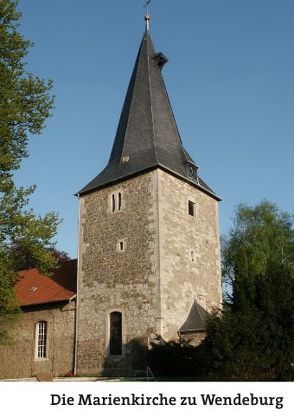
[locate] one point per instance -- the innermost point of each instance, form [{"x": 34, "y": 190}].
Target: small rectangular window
[
  {"x": 121, "y": 245},
  {"x": 191, "y": 208},
  {"x": 201, "y": 299}
]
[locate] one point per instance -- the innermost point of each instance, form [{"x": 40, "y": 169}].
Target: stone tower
[{"x": 149, "y": 256}]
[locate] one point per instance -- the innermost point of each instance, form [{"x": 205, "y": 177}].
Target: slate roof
[
  {"x": 35, "y": 288},
  {"x": 147, "y": 136},
  {"x": 196, "y": 320}
]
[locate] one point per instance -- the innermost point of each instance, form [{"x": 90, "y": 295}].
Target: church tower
[{"x": 149, "y": 255}]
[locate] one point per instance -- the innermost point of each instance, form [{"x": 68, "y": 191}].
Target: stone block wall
[
  {"x": 189, "y": 252},
  {"x": 18, "y": 359},
  {"x": 113, "y": 280},
  {"x": 169, "y": 259}
]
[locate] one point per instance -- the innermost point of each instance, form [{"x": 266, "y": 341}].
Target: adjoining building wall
[
  {"x": 189, "y": 252},
  {"x": 18, "y": 360},
  {"x": 113, "y": 280}
]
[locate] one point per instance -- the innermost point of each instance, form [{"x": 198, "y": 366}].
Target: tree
[
  {"x": 253, "y": 338},
  {"x": 176, "y": 359},
  {"x": 261, "y": 238},
  {"x": 26, "y": 258},
  {"x": 25, "y": 103}
]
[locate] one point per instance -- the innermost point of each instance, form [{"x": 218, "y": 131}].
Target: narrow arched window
[
  {"x": 115, "y": 334},
  {"x": 41, "y": 339},
  {"x": 119, "y": 201},
  {"x": 116, "y": 202},
  {"x": 113, "y": 203}
]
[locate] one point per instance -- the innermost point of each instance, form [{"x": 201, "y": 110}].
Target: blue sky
[{"x": 229, "y": 78}]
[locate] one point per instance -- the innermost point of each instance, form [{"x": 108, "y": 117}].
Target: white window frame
[
  {"x": 123, "y": 243},
  {"x": 41, "y": 340},
  {"x": 116, "y": 201}
]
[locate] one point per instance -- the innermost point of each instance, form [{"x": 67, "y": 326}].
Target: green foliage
[
  {"x": 9, "y": 309},
  {"x": 247, "y": 346},
  {"x": 253, "y": 339},
  {"x": 176, "y": 359},
  {"x": 30, "y": 256},
  {"x": 24, "y": 106},
  {"x": 260, "y": 238},
  {"x": 25, "y": 103}
]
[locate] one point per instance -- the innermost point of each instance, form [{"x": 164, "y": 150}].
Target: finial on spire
[{"x": 147, "y": 17}]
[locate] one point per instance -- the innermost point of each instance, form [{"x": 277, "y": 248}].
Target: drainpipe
[
  {"x": 74, "y": 305},
  {"x": 77, "y": 298}
]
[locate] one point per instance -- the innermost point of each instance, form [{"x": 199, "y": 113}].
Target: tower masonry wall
[
  {"x": 111, "y": 279},
  {"x": 169, "y": 260},
  {"x": 189, "y": 252}
]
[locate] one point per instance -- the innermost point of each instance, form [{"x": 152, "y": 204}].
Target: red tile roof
[{"x": 34, "y": 288}]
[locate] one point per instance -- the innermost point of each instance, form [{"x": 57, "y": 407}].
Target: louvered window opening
[{"x": 191, "y": 208}]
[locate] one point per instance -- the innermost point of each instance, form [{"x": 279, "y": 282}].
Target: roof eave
[
  {"x": 145, "y": 170},
  {"x": 68, "y": 299}
]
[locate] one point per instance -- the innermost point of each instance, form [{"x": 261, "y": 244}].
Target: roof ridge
[
  {"x": 132, "y": 94},
  {"x": 150, "y": 95}
]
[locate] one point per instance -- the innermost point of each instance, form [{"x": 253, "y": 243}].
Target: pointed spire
[{"x": 147, "y": 136}]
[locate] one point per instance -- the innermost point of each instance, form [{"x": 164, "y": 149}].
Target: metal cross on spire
[{"x": 147, "y": 17}]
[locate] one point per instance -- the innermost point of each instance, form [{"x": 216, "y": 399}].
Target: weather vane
[
  {"x": 146, "y": 2},
  {"x": 147, "y": 18}
]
